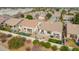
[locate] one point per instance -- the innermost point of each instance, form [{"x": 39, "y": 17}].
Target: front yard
[
  {"x": 20, "y": 43},
  {"x": 71, "y": 43}
]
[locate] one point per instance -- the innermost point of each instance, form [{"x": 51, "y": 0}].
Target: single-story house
[
  {"x": 28, "y": 26},
  {"x": 3, "y": 19},
  {"x": 13, "y": 23},
  {"x": 68, "y": 18},
  {"x": 56, "y": 16},
  {"x": 73, "y": 31},
  {"x": 53, "y": 29}
]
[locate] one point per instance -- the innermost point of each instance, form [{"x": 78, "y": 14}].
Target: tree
[
  {"x": 75, "y": 49},
  {"x": 76, "y": 19},
  {"x": 64, "y": 48},
  {"x": 16, "y": 42},
  {"x": 57, "y": 9},
  {"x": 54, "y": 47},
  {"x": 48, "y": 15},
  {"x": 29, "y": 17}
]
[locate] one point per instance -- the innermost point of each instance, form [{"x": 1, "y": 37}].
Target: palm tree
[{"x": 64, "y": 30}]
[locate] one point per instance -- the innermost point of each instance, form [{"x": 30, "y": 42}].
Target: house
[
  {"x": 12, "y": 23},
  {"x": 28, "y": 26},
  {"x": 3, "y": 18},
  {"x": 56, "y": 16},
  {"x": 68, "y": 18},
  {"x": 52, "y": 29},
  {"x": 73, "y": 31}
]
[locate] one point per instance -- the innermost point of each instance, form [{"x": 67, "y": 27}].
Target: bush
[
  {"x": 7, "y": 28},
  {"x": 64, "y": 48},
  {"x": 16, "y": 42},
  {"x": 36, "y": 42},
  {"x": 54, "y": 47},
  {"x": 47, "y": 45},
  {"x": 25, "y": 34},
  {"x": 29, "y": 17},
  {"x": 75, "y": 49},
  {"x": 55, "y": 41},
  {"x": 42, "y": 43},
  {"x": 76, "y": 21}
]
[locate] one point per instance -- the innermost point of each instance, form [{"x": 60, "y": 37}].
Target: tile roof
[
  {"x": 2, "y": 19},
  {"x": 72, "y": 28},
  {"x": 13, "y": 21},
  {"x": 29, "y": 23},
  {"x": 52, "y": 26}
]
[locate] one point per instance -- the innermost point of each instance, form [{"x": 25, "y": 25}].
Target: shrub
[
  {"x": 7, "y": 28},
  {"x": 16, "y": 42},
  {"x": 55, "y": 41},
  {"x": 25, "y": 34},
  {"x": 54, "y": 47},
  {"x": 75, "y": 49},
  {"x": 36, "y": 42},
  {"x": 42, "y": 43},
  {"x": 47, "y": 45},
  {"x": 29, "y": 17},
  {"x": 64, "y": 48}
]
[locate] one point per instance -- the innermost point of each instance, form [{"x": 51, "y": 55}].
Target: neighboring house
[
  {"x": 56, "y": 16},
  {"x": 3, "y": 19},
  {"x": 73, "y": 31},
  {"x": 38, "y": 15},
  {"x": 53, "y": 29},
  {"x": 28, "y": 26},
  {"x": 68, "y": 18},
  {"x": 12, "y": 22},
  {"x": 42, "y": 15}
]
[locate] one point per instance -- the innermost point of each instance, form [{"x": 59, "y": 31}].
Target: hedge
[
  {"x": 75, "y": 49},
  {"x": 55, "y": 41},
  {"x": 64, "y": 48}
]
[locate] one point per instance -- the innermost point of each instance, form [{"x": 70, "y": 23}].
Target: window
[
  {"x": 24, "y": 28},
  {"x": 73, "y": 36},
  {"x": 56, "y": 35},
  {"x": 42, "y": 31},
  {"x": 29, "y": 30},
  {"x": 49, "y": 32}
]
